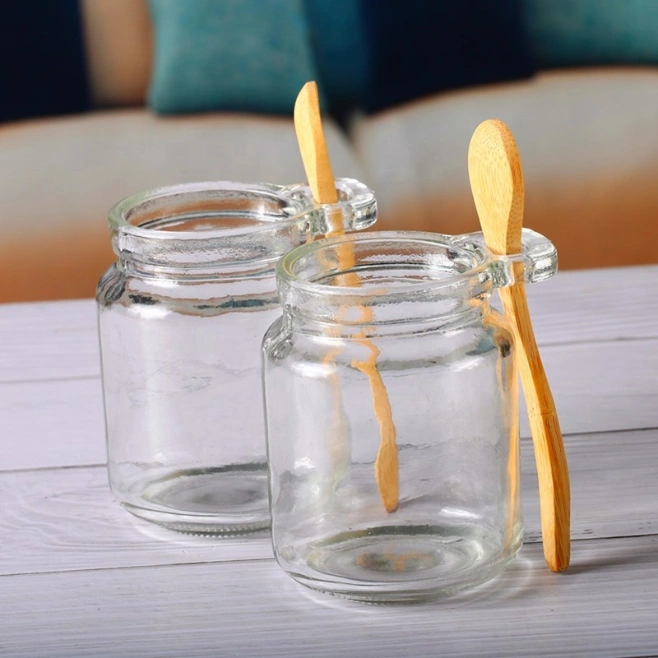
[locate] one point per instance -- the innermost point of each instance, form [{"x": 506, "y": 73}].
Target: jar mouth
[
  {"x": 385, "y": 278},
  {"x": 206, "y": 210},
  {"x": 386, "y": 263},
  {"x": 192, "y": 229}
]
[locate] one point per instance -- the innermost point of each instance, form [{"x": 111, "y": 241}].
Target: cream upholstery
[
  {"x": 60, "y": 177},
  {"x": 588, "y": 142},
  {"x": 589, "y": 146}
]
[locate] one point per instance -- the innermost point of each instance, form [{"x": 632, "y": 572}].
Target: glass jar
[
  {"x": 416, "y": 307},
  {"x": 181, "y": 317}
]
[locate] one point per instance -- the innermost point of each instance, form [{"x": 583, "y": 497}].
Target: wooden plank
[
  {"x": 604, "y": 607},
  {"x": 602, "y": 387},
  {"x": 51, "y": 423},
  {"x": 617, "y": 303},
  {"x": 57, "y": 340},
  {"x": 597, "y": 388},
  {"x": 614, "y": 489},
  {"x": 49, "y": 340},
  {"x": 66, "y": 519}
]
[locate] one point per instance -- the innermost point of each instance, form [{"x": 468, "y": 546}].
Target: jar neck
[
  {"x": 226, "y": 253},
  {"x": 432, "y": 321},
  {"x": 384, "y": 282},
  {"x": 205, "y": 230},
  {"x": 202, "y": 230}
]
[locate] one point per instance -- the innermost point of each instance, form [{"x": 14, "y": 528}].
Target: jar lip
[
  {"x": 119, "y": 215},
  {"x": 478, "y": 263}
]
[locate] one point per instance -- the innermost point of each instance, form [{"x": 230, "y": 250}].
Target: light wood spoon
[
  {"x": 308, "y": 126},
  {"x": 494, "y": 169},
  {"x": 312, "y": 145}
]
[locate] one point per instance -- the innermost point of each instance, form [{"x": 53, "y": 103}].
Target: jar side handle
[
  {"x": 356, "y": 208},
  {"x": 537, "y": 262}
]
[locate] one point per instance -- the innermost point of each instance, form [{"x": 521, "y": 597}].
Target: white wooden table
[{"x": 80, "y": 577}]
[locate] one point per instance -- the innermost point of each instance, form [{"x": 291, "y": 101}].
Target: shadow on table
[
  {"x": 591, "y": 556},
  {"x": 518, "y": 579},
  {"x": 527, "y": 577}
]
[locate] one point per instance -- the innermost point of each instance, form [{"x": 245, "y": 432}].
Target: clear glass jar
[
  {"x": 418, "y": 306},
  {"x": 181, "y": 317}
]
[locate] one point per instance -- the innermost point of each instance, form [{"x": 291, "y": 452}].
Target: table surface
[{"x": 81, "y": 577}]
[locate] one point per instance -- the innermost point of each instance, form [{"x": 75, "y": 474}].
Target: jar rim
[
  {"x": 476, "y": 263},
  {"x": 120, "y": 213}
]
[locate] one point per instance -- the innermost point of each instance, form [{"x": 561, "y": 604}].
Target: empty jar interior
[
  {"x": 410, "y": 309},
  {"x": 396, "y": 275},
  {"x": 209, "y": 224},
  {"x": 207, "y": 208},
  {"x": 181, "y": 318},
  {"x": 382, "y": 258}
]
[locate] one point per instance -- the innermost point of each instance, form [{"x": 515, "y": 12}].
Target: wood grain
[
  {"x": 598, "y": 387},
  {"x": 604, "y": 607},
  {"x": 313, "y": 148},
  {"x": 496, "y": 176},
  {"x": 51, "y": 423},
  {"x": 387, "y": 466},
  {"x": 603, "y": 386},
  {"x": 81, "y": 577},
  {"x": 312, "y": 145},
  {"x": 66, "y": 520},
  {"x": 50, "y": 340},
  {"x": 595, "y": 305},
  {"x": 550, "y": 457},
  {"x": 57, "y": 340},
  {"x": 604, "y": 467}
]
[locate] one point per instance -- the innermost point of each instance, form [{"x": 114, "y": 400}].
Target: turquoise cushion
[
  {"x": 229, "y": 55},
  {"x": 590, "y": 32}
]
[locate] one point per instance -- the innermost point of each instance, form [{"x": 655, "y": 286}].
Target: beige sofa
[{"x": 588, "y": 142}]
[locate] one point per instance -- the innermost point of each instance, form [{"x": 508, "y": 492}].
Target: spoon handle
[
  {"x": 552, "y": 469},
  {"x": 315, "y": 156},
  {"x": 312, "y": 145}
]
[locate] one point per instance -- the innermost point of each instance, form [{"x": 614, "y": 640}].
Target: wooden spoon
[
  {"x": 494, "y": 169},
  {"x": 308, "y": 126},
  {"x": 312, "y": 145}
]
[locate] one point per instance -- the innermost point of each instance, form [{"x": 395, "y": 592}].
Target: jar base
[
  {"x": 220, "y": 501},
  {"x": 403, "y": 564}
]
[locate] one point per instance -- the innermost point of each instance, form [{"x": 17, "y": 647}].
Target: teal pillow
[
  {"x": 591, "y": 32},
  {"x": 235, "y": 55}
]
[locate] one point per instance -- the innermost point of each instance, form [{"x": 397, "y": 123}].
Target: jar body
[
  {"x": 452, "y": 389},
  {"x": 181, "y": 316},
  {"x": 181, "y": 378}
]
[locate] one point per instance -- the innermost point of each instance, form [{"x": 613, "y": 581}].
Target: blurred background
[{"x": 100, "y": 99}]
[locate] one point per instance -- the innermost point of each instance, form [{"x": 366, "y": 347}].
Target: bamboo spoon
[
  {"x": 494, "y": 169},
  {"x": 310, "y": 136},
  {"x": 308, "y": 126}
]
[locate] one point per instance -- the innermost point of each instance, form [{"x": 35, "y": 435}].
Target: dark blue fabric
[
  {"x": 42, "y": 66},
  {"x": 420, "y": 47},
  {"x": 336, "y": 36}
]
